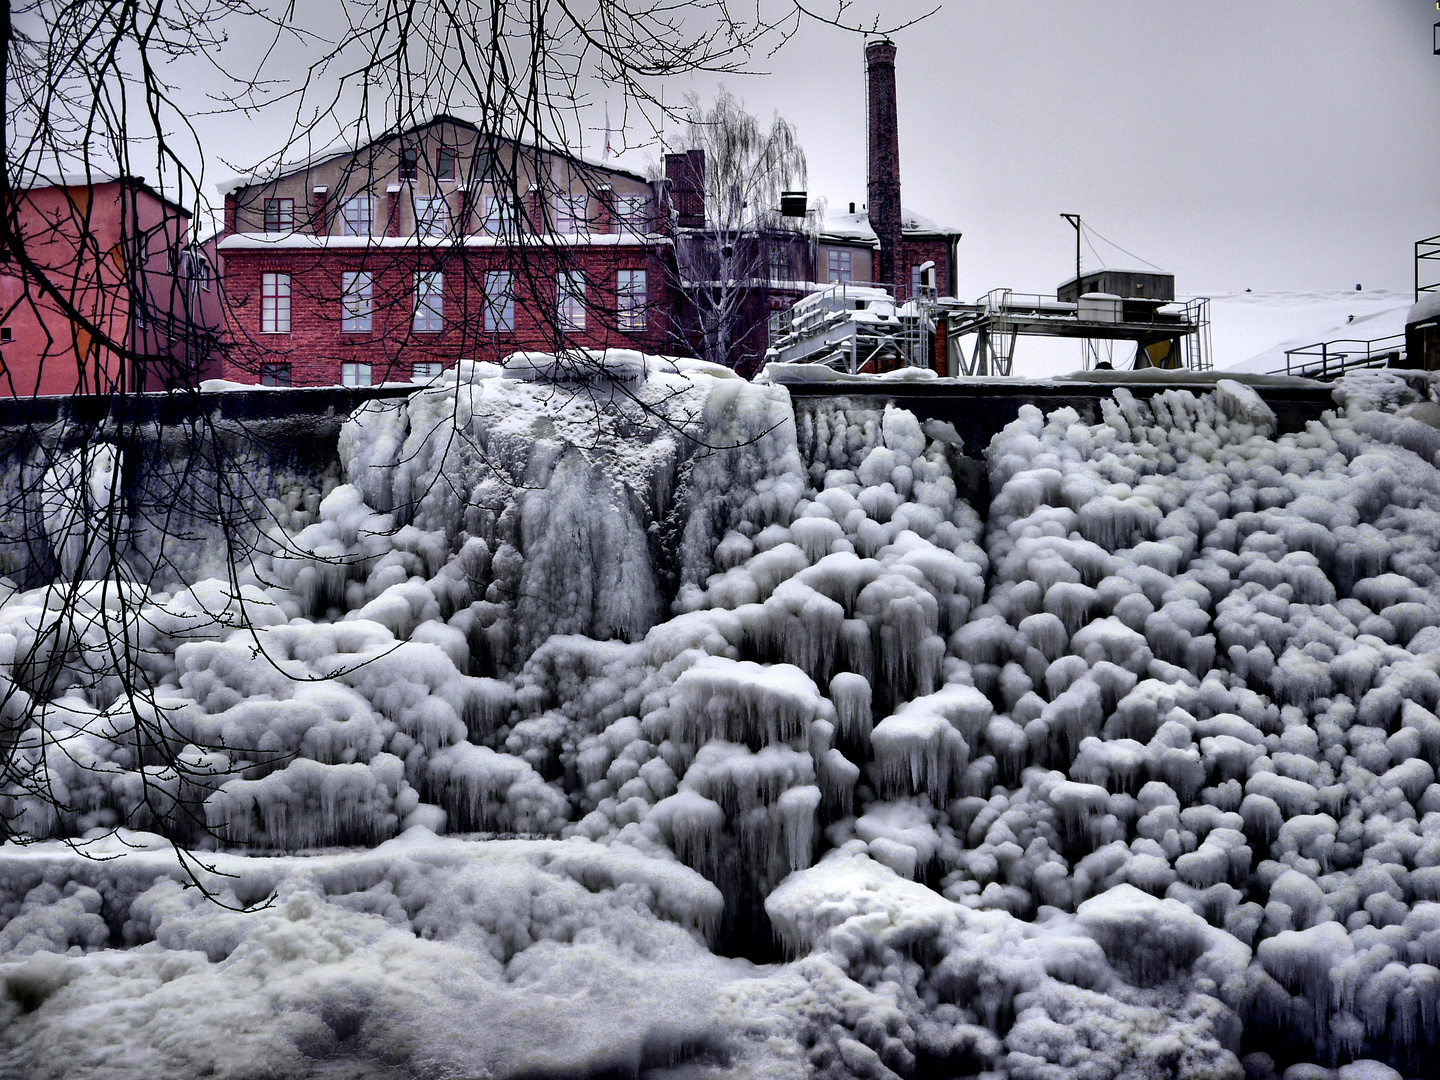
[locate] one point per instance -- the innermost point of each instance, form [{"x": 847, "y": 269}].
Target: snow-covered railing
[
  {"x": 1331, "y": 359},
  {"x": 854, "y": 327}
]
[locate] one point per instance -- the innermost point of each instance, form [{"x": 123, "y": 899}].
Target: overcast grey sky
[{"x": 1268, "y": 144}]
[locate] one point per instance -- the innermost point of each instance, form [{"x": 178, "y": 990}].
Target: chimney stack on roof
[
  {"x": 884, "y": 155},
  {"x": 685, "y": 174}
]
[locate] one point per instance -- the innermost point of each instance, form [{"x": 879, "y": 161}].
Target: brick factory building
[{"x": 394, "y": 260}]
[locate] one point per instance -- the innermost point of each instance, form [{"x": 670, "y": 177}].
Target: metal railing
[
  {"x": 831, "y": 327},
  {"x": 1331, "y": 359},
  {"x": 1000, "y": 300}
]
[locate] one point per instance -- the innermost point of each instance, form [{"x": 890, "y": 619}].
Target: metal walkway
[{"x": 1171, "y": 336}]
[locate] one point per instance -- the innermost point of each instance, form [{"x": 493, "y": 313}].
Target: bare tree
[
  {"x": 105, "y": 506},
  {"x": 726, "y": 264}
]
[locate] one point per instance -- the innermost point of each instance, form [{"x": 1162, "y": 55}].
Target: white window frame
[
  {"x": 500, "y": 301},
  {"x": 356, "y": 373},
  {"x": 841, "y": 265},
  {"x": 275, "y": 303},
  {"x": 499, "y": 214},
  {"x": 631, "y": 211},
  {"x": 357, "y": 302},
  {"x": 572, "y": 214},
  {"x": 432, "y": 216},
  {"x": 570, "y": 300},
  {"x": 631, "y": 299},
  {"x": 429, "y": 302},
  {"x": 357, "y": 216},
  {"x": 426, "y": 370}
]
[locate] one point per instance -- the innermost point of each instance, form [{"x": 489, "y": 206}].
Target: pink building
[{"x": 106, "y": 294}]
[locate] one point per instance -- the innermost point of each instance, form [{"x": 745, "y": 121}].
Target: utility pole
[{"x": 1074, "y": 219}]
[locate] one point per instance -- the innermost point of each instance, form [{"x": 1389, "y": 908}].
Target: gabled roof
[
  {"x": 343, "y": 148},
  {"x": 94, "y": 178}
]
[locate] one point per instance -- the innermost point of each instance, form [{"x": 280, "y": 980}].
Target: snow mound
[{"x": 752, "y": 745}]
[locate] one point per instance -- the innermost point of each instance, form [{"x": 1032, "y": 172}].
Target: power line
[{"x": 1118, "y": 248}]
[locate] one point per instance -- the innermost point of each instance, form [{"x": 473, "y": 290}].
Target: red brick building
[
  {"x": 137, "y": 302},
  {"x": 824, "y": 248},
  {"x": 393, "y": 260}
]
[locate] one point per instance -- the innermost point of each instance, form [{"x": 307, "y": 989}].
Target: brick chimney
[
  {"x": 319, "y": 223},
  {"x": 884, "y": 156},
  {"x": 685, "y": 174}
]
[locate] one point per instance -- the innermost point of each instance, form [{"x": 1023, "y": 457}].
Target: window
[
  {"x": 352, "y": 374},
  {"x": 445, "y": 160},
  {"x": 840, "y": 266},
  {"x": 630, "y": 299},
  {"x": 432, "y": 217},
  {"x": 357, "y": 290},
  {"x": 780, "y": 264},
  {"x": 357, "y": 216},
  {"x": 274, "y": 374},
  {"x": 570, "y": 300},
  {"x": 499, "y": 214},
  {"x": 630, "y": 212},
  {"x": 429, "y": 301},
  {"x": 279, "y": 215},
  {"x": 5, "y": 333},
  {"x": 499, "y": 301},
  {"x": 570, "y": 214},
  {"x": 426, "y": 370},
  {"x": 409, "y": 164},
  {"x": 274, "y": 303},
  {"x": 195, "y": 271}
]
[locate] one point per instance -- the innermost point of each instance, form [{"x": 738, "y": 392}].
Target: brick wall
[
  {"x": 884, "y": 160},
  {"x": 316, "y": 347},
  {"x": 917, "y": 252}
]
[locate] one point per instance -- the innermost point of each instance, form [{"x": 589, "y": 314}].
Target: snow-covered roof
[
  {"x": 839, "y": 225},
  {"x": 37, "y": 180},
  {"x": 1426, "y": 307},
  {"x": 1092, "y": 271},
  {"x": 293, "y": 240},
  {"x": 343, "y": 146}
]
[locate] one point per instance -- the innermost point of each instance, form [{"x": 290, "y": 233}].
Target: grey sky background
[{"x": 1265, "y": 144}]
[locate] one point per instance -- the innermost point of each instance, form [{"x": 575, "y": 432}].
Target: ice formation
[{"x": 759, "y": 747}]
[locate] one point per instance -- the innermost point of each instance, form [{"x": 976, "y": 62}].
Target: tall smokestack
[{"x": 884, "y": 155}]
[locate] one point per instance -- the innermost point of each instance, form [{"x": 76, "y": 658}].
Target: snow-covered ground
[
  {"x": 627, "y": 717},
  {"x": 1251, "y": 331}
]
